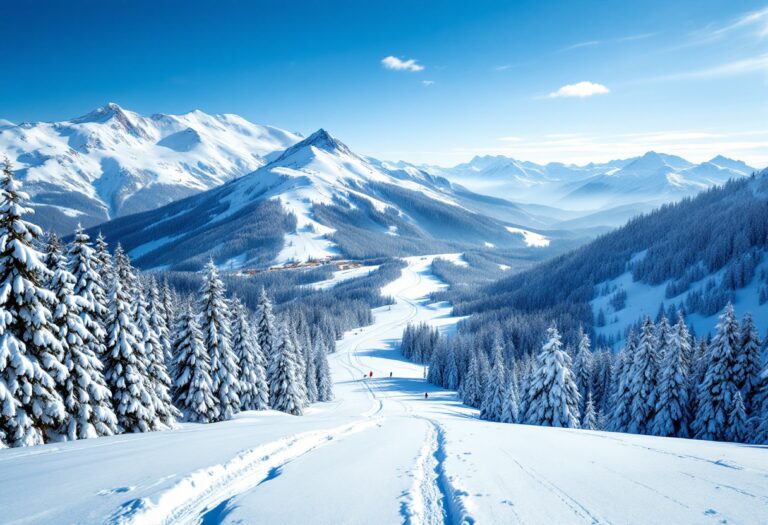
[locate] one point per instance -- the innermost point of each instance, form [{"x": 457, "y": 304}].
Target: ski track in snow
[{"x": 204, "y": 490}]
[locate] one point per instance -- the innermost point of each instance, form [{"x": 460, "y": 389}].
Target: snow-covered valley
[{"x": 383, "y": 453}]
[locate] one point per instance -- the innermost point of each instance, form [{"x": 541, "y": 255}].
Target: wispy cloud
[
  {"x": 580, "y": 89},
  {"x": 736, "y": 67},
  {"x": 397, "y": 64},
  {"x": 632, "y": 38},
  {"x": 428, "y": 82},
  {"x": 753, "y": 23},
  {"x": 589, "y": 43}
]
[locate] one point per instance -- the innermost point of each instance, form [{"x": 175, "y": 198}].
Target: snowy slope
[
  {"x": 333, "y": 202},
  {"x": 113, "y": 162},
  {"x": 623, "y": 185},
  {"x": 381, "y": 453}
]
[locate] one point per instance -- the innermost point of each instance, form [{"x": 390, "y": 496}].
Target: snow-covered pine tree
[
  {"x": 582, "y": 368},
  {"x": 244, "y": 344},
  {"x": 102, "y": 267},
  {"x": 495, "y": 392},
  {"x": 193, "y": 387},
  {"x": 663, "y": 337},
  {"x": 643, "y": 376},
  {"x": 158, "y": 319},
  {"x": 553, "y": 399},
  {"x": 157, "y": 372},
  {"x": 717, "y": 391},
  {"x": 451, "y": 374},
  {"x": 671, "y": 413},
  {"x": 590, "y": 417},
  {"x": 748, "y": 362},
  {"x": 126, "y": 365},
  {"x": 621, "y": 397},
  {"x": 265, "y": 324},
  {"x": 30, "y": 352},
  {"x": 738, "y": 426},
  {"x": 87, "y": 399},
  {"x": 51, "y": 257},
  {"x": 310, "y": 372},
  {"x": 297, "y": 347},
  {"x": 282, "y": 375},
  {"x": 169, "y": 299},
  {"x": 323, "y": 373},
  {"x": 511, "y": 411},
  {"x": 218, "y": 342},
  {"x": 471, "y": 387},
  {"x": 89, "y": 286},
  {"x": 759, "y": 417}
]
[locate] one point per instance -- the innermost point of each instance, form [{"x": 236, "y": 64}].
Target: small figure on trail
[
  {"x": 390, "y": 374},
  {"x": 364, "y": 376},
  {"x": 370, "y": 373},
  {"x": 426, "y": 395}
]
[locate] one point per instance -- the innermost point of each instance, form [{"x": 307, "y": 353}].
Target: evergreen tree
[
  {"x": 244, "y": 343},
  {"x": 471, "y": 388},
  {"x": 323, "y": 372},
  {"x": 671, "y": 417},
  {"x": 643, "y": 374},
  {"x": 621, "y": 397},
  {"x": 717, "y": 391},
  {"x": 30, "y": 352},
  {"x": 310, "y": 372},
  {"x": 266, "y": 328},
  {"x": 102, "y": 266},
  {"x": 511, "y": 410},
  {"x": 590, "y": 417},
  {"x": 582, "y": 368},
  {"x": 748, "y": 362},
  {"x": 158, "y": 320},
  {"x": 284, "y": 392},
  {"x": 738, "y": 427},
  {"x": 89, "y": 287},
  {"x": 553, "y": 399},
  {"x": 87, "y": 399},
  {"x": 157, "y": 373},
  {"x": 759, "y": 420},
  {"x": 168, "y": 299},
  {"x": 126, "y": 366},
  {"x": 224, "y": 372},
  {"x": 494, "y": 396},
  {"x": 193, "y": 387},
  {"x": 451, "y": 374}
]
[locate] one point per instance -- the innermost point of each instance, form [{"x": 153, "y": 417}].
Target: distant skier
[
  {"x": 370, "y": 373},
  {"x": 426, "y": 395},
  {"x": 390, "y": 374}
]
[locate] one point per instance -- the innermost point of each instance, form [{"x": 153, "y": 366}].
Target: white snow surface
[
  {"x": 339, "y": 276},
  {"x": 534, "y": 239},
  {"x": 382, "y": 453}
]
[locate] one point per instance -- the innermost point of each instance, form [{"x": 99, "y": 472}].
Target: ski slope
[{"x": 382, "y": 453}]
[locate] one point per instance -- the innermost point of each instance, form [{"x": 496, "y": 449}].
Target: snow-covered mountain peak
[{"x": 112, "y": 161}]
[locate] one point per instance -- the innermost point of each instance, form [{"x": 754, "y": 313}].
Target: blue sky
[{"x": 543, "y": 81}]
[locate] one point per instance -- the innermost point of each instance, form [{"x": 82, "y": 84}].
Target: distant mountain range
[
  {"x": 113, "y": 162},
  {"x": 318, "y": 200},
  {"x": 636, "y": 184}
]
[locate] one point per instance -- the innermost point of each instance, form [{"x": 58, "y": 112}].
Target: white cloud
[
  {"x": 578, "y": 45},
  {"x": 428, "y": 82},
  {"x": 581, "y": 90},
  {"x": 397, "y": 64}
]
